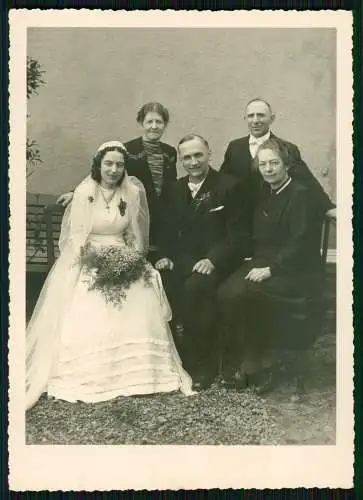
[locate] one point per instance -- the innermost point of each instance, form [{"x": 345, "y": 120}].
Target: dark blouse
[
  {"x": 287, "y": 232},
  {"x": 144, "y": 162},
  {"x": 155, "y": 160}
]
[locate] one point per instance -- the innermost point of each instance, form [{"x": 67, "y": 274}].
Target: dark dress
[
  {"x": 154, "y": 164},
  {"x": 286, "y": 238}
]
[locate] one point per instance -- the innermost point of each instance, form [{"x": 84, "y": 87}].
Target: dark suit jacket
[
  {"x": 137, "y": 166},
  {"x": 239, "y": 163},
  {"x": 193, "y": 230}
]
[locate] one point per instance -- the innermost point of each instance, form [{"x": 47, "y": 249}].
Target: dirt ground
[
  {"x": 312, "y": 419},
  {"x": 215, "y": 416}
]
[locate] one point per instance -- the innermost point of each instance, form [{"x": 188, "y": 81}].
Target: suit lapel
[
  {"x": 246, "y": 148},
  {"x": 185, "y": 194},
  {"x": 205, "y": 189},
  {"x": 244, "y": 159}
]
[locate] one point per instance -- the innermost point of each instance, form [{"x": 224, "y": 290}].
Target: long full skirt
[{"x": 106, "y": 351}]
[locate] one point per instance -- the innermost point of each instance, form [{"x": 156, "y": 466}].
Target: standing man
[
  {"x": 238, "y": 160},
  {"x": 203, "y": 242}
]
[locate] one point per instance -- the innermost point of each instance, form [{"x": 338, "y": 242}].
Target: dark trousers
[{"x": 193, "y": 301}]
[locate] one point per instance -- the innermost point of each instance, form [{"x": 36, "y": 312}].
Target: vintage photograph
[{"x": 182, "y": 199}]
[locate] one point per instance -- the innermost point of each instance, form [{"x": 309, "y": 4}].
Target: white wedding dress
[{"x": 104, "y": 351}]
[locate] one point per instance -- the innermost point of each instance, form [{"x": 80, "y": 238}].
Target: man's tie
[
  {"x": 253, "y": 148},
  {"x": 194, "y": 188}
]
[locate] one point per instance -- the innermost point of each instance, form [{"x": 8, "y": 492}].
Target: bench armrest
[{"x": 54, "y": 208}]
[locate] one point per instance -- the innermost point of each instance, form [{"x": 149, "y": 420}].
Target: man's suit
[
  {"x": 239, "y": 163},
  {"x": 210, "y": 226}
]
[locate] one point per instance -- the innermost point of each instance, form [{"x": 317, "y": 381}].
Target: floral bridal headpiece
[{"x": 112, "y": 144}]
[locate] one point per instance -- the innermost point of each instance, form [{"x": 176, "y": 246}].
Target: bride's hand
[{"x": 164, "y": 263}]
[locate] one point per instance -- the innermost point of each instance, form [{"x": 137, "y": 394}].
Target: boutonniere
[
  {"x": 122, "y": 207},
  {"x": 91, "y": 199},
  {"x": 202, "y": 199}
]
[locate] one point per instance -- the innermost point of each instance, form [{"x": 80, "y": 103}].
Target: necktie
[
  {"x": 193, "y": 188},
  {"x": 253, "y": 148}
]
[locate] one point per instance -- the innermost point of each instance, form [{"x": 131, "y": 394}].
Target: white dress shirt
[
  {"x": 255, "y": 143},
  {"x": 194, "y": 188}
]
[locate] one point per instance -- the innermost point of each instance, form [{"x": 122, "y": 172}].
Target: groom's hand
[
  {"x": 65, "y": 199},
  {"x": 164, "y": 264},
  {"x": 204, "y": 266}
]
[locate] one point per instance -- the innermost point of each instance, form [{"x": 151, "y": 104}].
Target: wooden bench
[
  {"x": 43, "y": 229},
  {"x": 43, "y": 225}
]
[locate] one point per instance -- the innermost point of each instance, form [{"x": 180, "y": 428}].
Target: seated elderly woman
[{"x": 261, "y": 303}]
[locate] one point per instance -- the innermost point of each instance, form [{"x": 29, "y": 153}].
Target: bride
[{"x": 100, "y": 327}]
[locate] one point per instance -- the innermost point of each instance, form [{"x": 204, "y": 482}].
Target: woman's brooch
[
  {"x": 122, "y": 207},
  {"x": 91, "y": 199},
  {"x": 169, "y": 160},
  {"x": 137, "y": 156}
]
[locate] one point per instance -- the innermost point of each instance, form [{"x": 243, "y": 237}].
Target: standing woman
[{"x": 153, "y": 162}]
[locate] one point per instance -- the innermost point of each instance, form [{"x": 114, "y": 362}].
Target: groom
[{"x": 203, "y": 241}]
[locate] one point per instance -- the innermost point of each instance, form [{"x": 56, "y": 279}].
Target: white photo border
[{"x": 179, "y": 467}]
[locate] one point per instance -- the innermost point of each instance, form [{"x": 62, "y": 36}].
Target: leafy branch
[
  {"x": 34, "y": 80},
  {"x": 34, "y": 74}
]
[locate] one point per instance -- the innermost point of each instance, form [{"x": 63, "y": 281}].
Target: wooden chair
[{"x": 325, "y": 240}]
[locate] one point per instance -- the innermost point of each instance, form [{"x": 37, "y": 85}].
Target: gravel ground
[{"x": 215, "y": 416}]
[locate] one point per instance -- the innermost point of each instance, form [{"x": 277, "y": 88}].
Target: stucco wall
[{"x": 96, "y": 79}]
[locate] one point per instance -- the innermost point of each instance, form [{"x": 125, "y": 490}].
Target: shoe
[
  {"x": 261, "y": 382},
  {"x": 202, "y": 382},
  {"x": 228, "y": 382},
  {"x": 236, "y": 381},
  {"x": 228, "y": 378},
  {"x": 241, "y": 381}
]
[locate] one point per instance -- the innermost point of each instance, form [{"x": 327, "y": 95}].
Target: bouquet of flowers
[{"x": 112, "y": 270}]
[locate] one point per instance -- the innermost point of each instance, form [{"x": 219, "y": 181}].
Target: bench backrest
[
  {"x": 43, "y": 225},
  {"x": 42, "y": 233}
]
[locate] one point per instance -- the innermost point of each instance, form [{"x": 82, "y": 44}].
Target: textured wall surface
[{"x": 96, "y": 79}]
